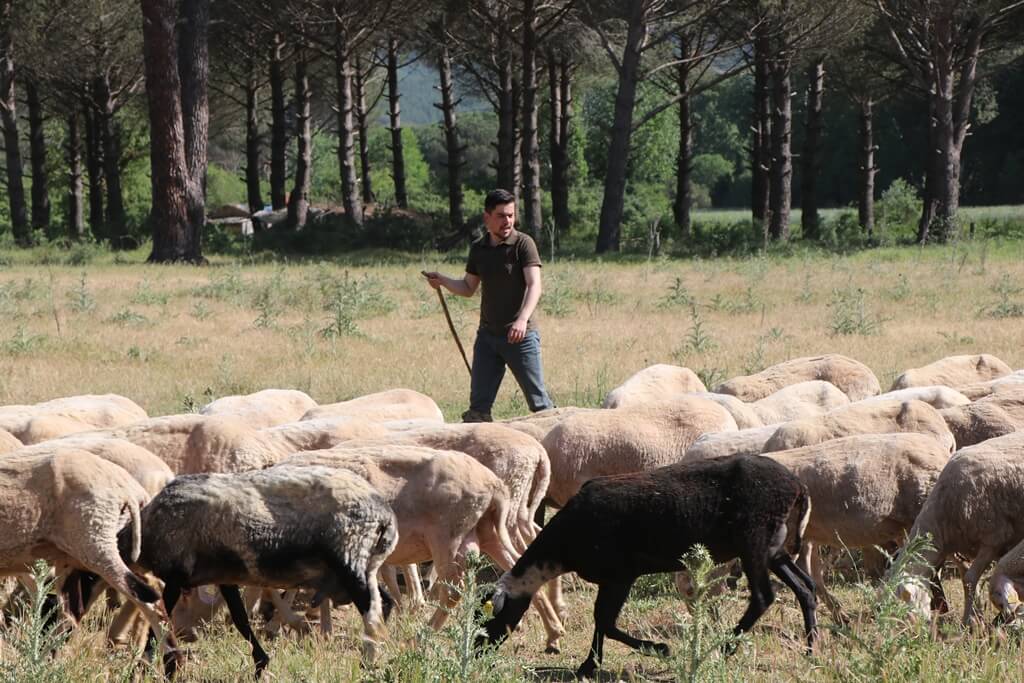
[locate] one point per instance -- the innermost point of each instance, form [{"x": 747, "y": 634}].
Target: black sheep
[{"x": 618, "y": 528}]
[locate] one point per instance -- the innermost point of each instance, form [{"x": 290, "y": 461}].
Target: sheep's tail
[
  {"x": 136, "y": 524},
  {"x": 799, "y": 516},
  {"x": 500, "y": 512},
  {"x": 539, "y": 485}
]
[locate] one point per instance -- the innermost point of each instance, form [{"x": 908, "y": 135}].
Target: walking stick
[{"x": 451, "y": 326}]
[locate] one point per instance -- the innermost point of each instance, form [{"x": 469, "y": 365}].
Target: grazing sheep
[
  {"x": 1009, "y": 397},
  {"x": 311, "y": 527},
  {"x": 800, "y": 400},
  {"x": 742, "y": 442},
  {"x": 540, "y": 423},
  {"x": 937, "y": 396},
  {"x": 263, "y": 409},
  {"x": 652, "y": 385},
  {"x": 977, "y": 422},
  {"x": 745, "y": 414},
  {"x": 975, "y": 509},
  {"x": 977, "y": 390},
  {"x": 323, "y": 432},
  {"x": 69, "y": 507},
  {"x": 1007, "y": 584},
  {"x": 60, "y": 416},
  {"x": 863, "y": 417},
  {"x": 867, "y": 490},
  {"x": 621, "y": 527},
  {"x": 394, "y": 404},
  {"x": 8, "y": 442},
  {"x": 447, "y": 504},
  {"x": 852, "y": 377},
  {"x": 954, "y": 371},
  {"x": 603, "y": 442}
]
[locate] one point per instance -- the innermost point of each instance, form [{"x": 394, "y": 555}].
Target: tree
[{"x": 9, "y": 122}]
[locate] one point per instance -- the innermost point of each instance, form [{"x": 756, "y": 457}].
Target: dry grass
[{"x": 171, "y": 338}]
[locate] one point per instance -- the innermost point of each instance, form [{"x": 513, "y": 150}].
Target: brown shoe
[{"x": 476, "y": 416}]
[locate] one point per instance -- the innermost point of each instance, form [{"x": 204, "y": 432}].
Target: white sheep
[
  {"x": 799, "y": 400},
  {"x": 60, "y": 416},
  {"x": 852, "y": 377},
  {"x": 653, "y": 384},
  {"x": 262, "y": 409},
  {"x": 394, "y": 404},
  {"x": 954, "y": 371}
]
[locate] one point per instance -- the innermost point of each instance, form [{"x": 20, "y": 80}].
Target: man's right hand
[{"x": 433, "y": 278}]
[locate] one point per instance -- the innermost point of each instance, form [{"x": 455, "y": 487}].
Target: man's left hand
[{"x": 517, "y": 331}]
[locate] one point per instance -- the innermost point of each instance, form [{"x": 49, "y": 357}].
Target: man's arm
[
  {"x": 466, "y": 286},
  {"x": 517, "y": 331}
]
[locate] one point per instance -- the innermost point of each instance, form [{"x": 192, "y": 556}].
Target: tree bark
[
  {"x": 254, "y": 196},
  {"x": 364, "y": 132},
  {"x": 683, "y": 203},
  {"x": 760, "y": 148},
  {"x": 866, "y": 196},
  {"x": 346, "y": 144},
  {"x": 9, "y": 121},
  {"x": 194, "y": 71},
  {"x": 610, "y": 222},
  {"x": 115, "y": 219},
  {"x": 781, "y": 175},
  {"x": 929, "y": 194},
  {"x": 278, "y": 129},
  {"x": 810, "y": 158},
  {"x": 531, "y": 214},
  {"x": 507, "y": 128},
  {"x": 94, "y": 170},
  {"x": 298, "y": 201},
  {"x": 559, "y": 77},
  {"x": 73, "y": 151},
  {"x": 395, "y": 116},
  {"x": 452, "y": 144},
  {"x": 169, "y": 173},
  {"x": 40, "y": 175}
]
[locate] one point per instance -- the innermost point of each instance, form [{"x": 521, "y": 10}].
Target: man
[{"x": 506, "y": 262}]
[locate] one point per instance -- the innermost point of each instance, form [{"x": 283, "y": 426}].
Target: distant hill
[{"x": 417, "y": 83}]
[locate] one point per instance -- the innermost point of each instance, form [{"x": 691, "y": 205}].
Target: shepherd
[{"x": 508, "y": 265}]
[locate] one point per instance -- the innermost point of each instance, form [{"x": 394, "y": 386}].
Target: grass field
[{"x": 172, "y": 338}]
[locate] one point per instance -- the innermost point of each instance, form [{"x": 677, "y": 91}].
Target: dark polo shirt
[{"x": 503, "y": 285}]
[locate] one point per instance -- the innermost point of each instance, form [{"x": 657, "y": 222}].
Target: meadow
[{"x": 173, "y": 337}]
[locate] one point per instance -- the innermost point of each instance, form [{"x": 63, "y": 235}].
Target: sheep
[
  {"x": 975, "y": 509},
  {"x": 446, "y": 503},
  {"x": 8, "y": 442},
  {"x": 742, "y": 442},
  {"x": 262, "y": 409},
  {"x": 286, "y": 526},
  {"x": 394, "y": 404},
  {"x": 540, "y": 423},
  {"x": 977, "y": 422},
  {"x": 323, "y": 432},
  {"x": 76, "y": 510},
  {"x": 60, "y": 416},
  {"x": 867, "y": 491},
  {"x": 591, "y": 444},
  {"x": 864, "y": 417},
  {"x": 745, "y": 414},
  {"x": 954, "y": 371},
  {"x": 653, "y": 384},
  {"x": 1007, "y": 584},
  {"x": 937, "y": 396},
  {"x": 800, "y": 400},
  {"x": 852, "y": 377},
  {"x": 1009, "y": 397},
  {"x": 618, "y": 528},
  {"x": 976, "y": 390}
]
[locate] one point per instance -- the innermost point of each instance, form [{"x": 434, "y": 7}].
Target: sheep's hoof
[
  {"x": 729, "y": 648},
  {"x": 552, "y": 649},
  {"x": 586, "y": 669},
  {"x": 659, "y": 649}
]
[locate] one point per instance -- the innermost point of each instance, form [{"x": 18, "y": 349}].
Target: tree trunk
[
  {"x": 866, "y": 198},
  {"x": 278, "y": 129},
  {"x": 73, "y": 150},
  {"x": 116, "y": 219},
  {"x": 559, "y": 83},
  {"x": 507, "y": 127},
  {"x": 40, "y": 175},
  {"x": 781, "y": 175},
  {"x": 610, "y": 222},
  {"x": 810, "y": 158},
  {"x": 929, "y": 195},
  {"x": 395, "y": 115},
  {"x": 683, "y": 203},
  {"x": 298, "y": 202},
  {"x": 531, "y": 213},
  {"x": 194, "y": 71},
  {"x": 364, "y": 132},
  {"x": 94, "y": 169},
  {"x": 9, "y": 121},
  {"x": 451, "y": 138},
  {"x": 346, "y": 144},
  {"x": 760, "y": 148},
  {"x": 169, "y": 173},
  {"x": 254, "y": 196}
]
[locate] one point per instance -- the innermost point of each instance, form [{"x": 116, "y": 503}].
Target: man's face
[{"x": 501, "y": 221}]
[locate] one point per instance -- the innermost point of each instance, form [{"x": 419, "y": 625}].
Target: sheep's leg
[
  {"x": 588, "y": 667},
  {"x": 803, "y": 587},
  {"x": 606, "y": 614},
  {"x": 413, "y": 585},
  {"x": 241, "y": 622},
  {"x": 120, "y": 625},
  {"x": 817, "y": 571},
  {"x": 761, "y": 593},
  {"x": 557, "y": 599},
  {"x": 389, "y": 573},
  {"x": 449, "y": 555},
  {"x": 986, "y": 556}
]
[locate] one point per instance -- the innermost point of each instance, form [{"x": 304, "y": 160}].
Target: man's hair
[{"x": 497, "y": 198}]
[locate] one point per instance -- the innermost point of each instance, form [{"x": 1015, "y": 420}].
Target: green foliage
[
  {"x": 30, "y": 639},
  {"x": 126, "y": 316},
  {"x": 81, "y": 300},
  {"x": 417, "y": 173},
  {"x": 897, "y": 211},
  {"x": 22, "y": 342},
  {"x": 1006, "y": 306},
  {"x": 677, "y": 295},
  {"x": 849, "y": 314},
  {"x": 223, "y": 187}
]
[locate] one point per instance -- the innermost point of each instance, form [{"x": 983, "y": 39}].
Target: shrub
[{"x": 897, "y": 211}]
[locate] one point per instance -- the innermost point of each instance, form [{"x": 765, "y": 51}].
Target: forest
[{"x": 618, "y": 125}]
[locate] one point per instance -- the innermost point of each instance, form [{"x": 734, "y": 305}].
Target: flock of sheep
[{"x": 274, "y": 493}]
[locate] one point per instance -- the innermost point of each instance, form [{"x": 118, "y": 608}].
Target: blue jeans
[{"x": 491, "y": 353}]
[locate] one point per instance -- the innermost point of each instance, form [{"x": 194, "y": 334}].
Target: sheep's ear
[{"x": 498, "y": 601}]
